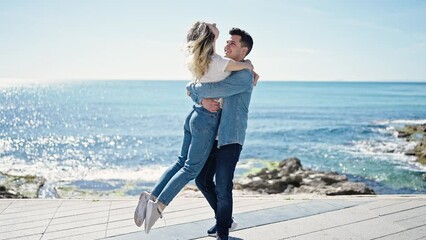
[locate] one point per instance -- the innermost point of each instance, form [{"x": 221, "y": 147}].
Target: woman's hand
[
  {"x": 255, "y": 78},
  {"x": 250, "y": 64}
]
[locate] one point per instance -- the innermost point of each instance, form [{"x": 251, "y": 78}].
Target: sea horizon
[{"x": 18, "y": 80}]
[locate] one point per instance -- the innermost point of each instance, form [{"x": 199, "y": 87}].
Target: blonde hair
[{"x": 200, "y": 48}]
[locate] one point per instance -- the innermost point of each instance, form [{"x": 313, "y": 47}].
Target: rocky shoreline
[{"x": 289, "y": 177}]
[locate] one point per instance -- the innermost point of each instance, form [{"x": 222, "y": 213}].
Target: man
[{"x": 236, "y": 93}]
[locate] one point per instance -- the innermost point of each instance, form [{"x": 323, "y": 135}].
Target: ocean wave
[
  {"x": 389, "y": 130},
  {"x": 391, "y": 151},
  {"x": 399, "y": 121},
  {"x": 377, "y": 146},
  {"x": 73, "y": 170},
  {"x": 410, "y": 121}
]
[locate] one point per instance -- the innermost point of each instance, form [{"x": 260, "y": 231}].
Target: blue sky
[{"x": 337, "y": 40}]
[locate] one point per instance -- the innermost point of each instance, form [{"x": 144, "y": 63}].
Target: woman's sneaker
[
  {"x": 212, "y": 232},
  {"x": 152, "y": 215},
  {"x": 140, "y": 212}
]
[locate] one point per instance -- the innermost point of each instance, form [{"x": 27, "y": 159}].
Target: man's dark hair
[{"x": 246, "y": 40}]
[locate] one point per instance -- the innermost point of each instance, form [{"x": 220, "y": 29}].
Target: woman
[{"x": 200, "y": 127}]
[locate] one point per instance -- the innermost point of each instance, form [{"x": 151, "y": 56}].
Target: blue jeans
[
  {"x": 200, "y": 130},
  {"x": 221, "y": 162}
]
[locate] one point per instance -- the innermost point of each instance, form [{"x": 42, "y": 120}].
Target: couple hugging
[{"x": 214, "y": 130}]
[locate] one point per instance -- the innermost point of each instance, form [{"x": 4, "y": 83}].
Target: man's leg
[
  {"x": 204, "y": 180},
  {"x": 226, "y": 161}
]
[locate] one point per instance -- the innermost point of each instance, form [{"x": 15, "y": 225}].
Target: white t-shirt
[{"x": 216, "y": 71}]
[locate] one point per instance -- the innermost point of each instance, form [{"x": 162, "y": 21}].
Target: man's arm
[
  {"x": 235, "y": 83},
  {"x": 193, "y": 96}
]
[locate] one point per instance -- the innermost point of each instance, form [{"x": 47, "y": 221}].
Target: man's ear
[{"x": 244, "y": 50}]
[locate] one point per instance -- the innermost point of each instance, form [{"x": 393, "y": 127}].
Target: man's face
[{"x": 233, "y": 49}]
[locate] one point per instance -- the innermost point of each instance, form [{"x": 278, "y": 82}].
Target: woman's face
[{"x": 214, "y": 29}]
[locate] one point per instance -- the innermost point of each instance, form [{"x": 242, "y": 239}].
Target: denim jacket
[{"x": 236, "y": 92}]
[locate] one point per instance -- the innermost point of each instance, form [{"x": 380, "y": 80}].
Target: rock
[
  {"x": 416, "y": 132},
  {"x": 349, "y": 188},
  {"x": 290, "y": 177},
  {"x": 410, "y": 153},
  {"x": 14, "y": 186},
  {"x": 333, "y": 177},
  {"x": 290, "y": 165},
  {"x": 403, "y": 135}
]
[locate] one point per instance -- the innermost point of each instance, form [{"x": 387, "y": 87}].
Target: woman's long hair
[{"x": 200, "y": 48}]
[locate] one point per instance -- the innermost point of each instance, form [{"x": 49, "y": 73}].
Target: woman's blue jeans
[{"x": 200, "y": 131}]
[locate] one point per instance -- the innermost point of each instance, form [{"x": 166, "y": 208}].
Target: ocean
[{"x": 118, "y": 137}]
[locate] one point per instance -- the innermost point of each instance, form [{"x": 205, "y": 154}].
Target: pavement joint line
[
  {"x": 403, "y": 210},
  {"x": 78, "y": 214},
  {"x": 29, "y": 235},
  {"x": 328, "y": 228},
  {"x": 6, "y": 207},
  {"x": 58, "y": 217},
  {"x": 109, "y": 213},
  {"x": 10, "y": 213},
  {"x": 77, "y": 227},
  {"x": 42, "y": 234},
  {"x": 405, "y": 230},
  {"x": 19, "y": 204},
  {"x": 79, "y": 234},
  {"x": 185, "y": 209},
  {"x": 79, "y": 209},
  {"x": 392, "y": 204},
  {"x": 47, "y": 218},
  {"x": 400, "y": 220},
  {"x": 77, "y": 220},
  {"x": 83, "y": 206},
  {"x": 17, "y": 230}
]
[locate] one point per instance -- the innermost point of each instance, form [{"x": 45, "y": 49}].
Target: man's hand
[
  {"x": 212, "y": 105},
  {"x": 255, "y": 78}
]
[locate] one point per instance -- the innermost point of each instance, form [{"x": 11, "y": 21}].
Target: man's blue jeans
[
  {"x": 200, "y": 130},
  {"x": 222, "y": 163}
]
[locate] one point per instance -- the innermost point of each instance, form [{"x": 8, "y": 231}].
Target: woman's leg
[
  {"x": 173, "y": 169},
  {"x": 203, "y": 126}
]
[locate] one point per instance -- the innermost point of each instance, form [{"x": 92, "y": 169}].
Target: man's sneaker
[
  {"x": 140, "y": 212},
  {"x": 152, "y": 215},
  {"x": 213, "y": 231}
]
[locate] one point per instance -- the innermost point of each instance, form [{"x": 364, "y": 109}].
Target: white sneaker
[
  {"x": 233, "y": 225},
  {"x": 152, "y": 215},
  {"x": 140, "y": 212}
]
